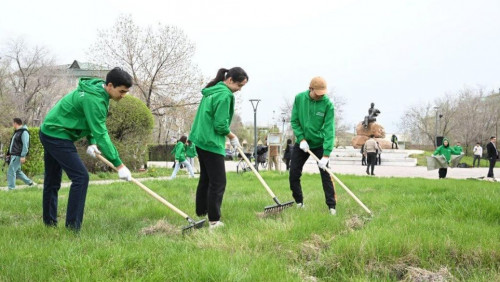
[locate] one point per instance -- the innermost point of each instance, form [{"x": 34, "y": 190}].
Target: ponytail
[{"x": 236, "y": 73}]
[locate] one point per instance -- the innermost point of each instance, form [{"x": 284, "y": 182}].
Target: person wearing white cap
[{"x": 314, "y": 127}]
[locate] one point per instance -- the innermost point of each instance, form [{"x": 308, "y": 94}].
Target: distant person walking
[
  {"x": 379, "y": 155},
  {"x": 478, "y": 153},
  {"x": 446, "y": 151},
  {"x": 18, "y": 149},
  {"x": 209, "y": 131},
  {"x": 491, "y": 148},
  {"x": 363, "y": 157},
  {"x": 370, "y": 151},
  {"x": 394, "y": 140},
  {"x": 180, "y": 157},
  {"x": 274, "y": 157},
  {"x": 288, "y": 153}
]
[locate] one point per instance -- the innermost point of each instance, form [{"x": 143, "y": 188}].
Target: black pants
[
  {"x": 371, "y": 159},
  {"x": 394, "y": 143},
  {"x": 61, "y": 154},
  {"x": 379, "y": 159},
  {"x": 212, "y": 184},
  {"x": 298, "y": 160},
  {"x": 492, "y": 165},
  {"x": 287, "y": 163},
  {"x": 478, "y": 158},
  {"x": 363, "y": 160},
  {"x": 442, "y": 172}
]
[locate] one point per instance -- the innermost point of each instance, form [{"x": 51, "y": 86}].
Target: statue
[{"x": 371, "y": 117}]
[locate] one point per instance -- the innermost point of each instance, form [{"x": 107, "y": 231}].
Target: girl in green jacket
[
  {"x": 446, "y": 151},
  {"x": 180, "y": 157},
  {"x": 209, "y": 131}
]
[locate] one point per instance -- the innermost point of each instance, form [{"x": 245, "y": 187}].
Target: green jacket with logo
[
  {"x": 213, "y": 118},
  {"x": 314, "y": 121},
  {"x": 191, "y": 150},
  {"x": 180, "y": 152},
  {"x": 447, "y": 151},
  {"x": 83, "y": 113}
]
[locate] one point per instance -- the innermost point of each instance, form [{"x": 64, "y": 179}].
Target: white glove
[
  {"x": 304, "y": 146},
  {"x": 124, "y": 173},
  {"x": 323, "y": 162},
  {"x": 235, "y": 142},
  {"x": 92, "y": 150}
]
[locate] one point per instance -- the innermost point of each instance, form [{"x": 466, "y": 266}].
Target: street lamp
[
  {"x": 436, "y": 127},
  {"x": 254, "y": 106}
]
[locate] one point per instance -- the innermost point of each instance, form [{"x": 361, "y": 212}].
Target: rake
[
  {"x": 278, "y": 207},
  {"x": 192, "y": 222},
  {"x": 342, "y": 184}
]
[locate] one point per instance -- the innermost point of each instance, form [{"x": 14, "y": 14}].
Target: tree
[
  {"x": 160, "y": 61},
  {"x": 29, "y": 80}
]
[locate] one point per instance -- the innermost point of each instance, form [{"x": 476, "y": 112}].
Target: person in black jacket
[
  {"x": 288, "y": 153},
  {"x": 492, "y": 155},
  {"x": 18, "y": 149}
]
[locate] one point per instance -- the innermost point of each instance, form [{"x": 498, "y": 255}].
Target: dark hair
[
  {"x": 119, "y": 77},
  {"x": 477, "y": 143},
  {"x": 183, "y": 139},
  {"x": 18, "y": 121},
  {"x": 189, "y": 142},
  {"x": 492, "y": 137},
  {"x": 236, "y": 73},
  {"x": 289, "y": 141},
  {"x": 372, "y": 135}
]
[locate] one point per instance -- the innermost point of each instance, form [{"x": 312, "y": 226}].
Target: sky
[{"x": 395, "y": 53}]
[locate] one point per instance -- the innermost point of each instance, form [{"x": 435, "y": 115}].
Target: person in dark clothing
[
  {"x": 363, "y": 157},
  {"x": 446, "y": 150},
  {"x": 18, "y": 149},
  {"x": 394, "y": 140},
  {"x": 370, "y": 150},
  {"x": 288, "y": 153},
  {"x": 492, "y": 155}
]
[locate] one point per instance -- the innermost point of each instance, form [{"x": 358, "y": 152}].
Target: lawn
[{"x": 440, "y": 228}]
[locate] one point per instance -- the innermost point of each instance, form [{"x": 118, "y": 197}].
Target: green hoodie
[
  {"x": 446, "y": 151},
  {"x": 314, "y": 121},
  {"x": 82, "y": 113},
  {"x": 180, "y": 151},
  {"x": 191, "y": 150},
  {"x": 213, "y": 118}
]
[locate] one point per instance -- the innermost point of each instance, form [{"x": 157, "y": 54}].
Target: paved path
[{"x": 311, "y": 167}]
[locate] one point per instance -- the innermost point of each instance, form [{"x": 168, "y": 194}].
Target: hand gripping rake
[
  {"x": 341, "y": 184},
  {"x": 192, "y": 223},
  {"x": 272, "y": 208}
]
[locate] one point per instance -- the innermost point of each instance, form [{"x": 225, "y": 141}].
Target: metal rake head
[
  {"x": 278, "y": 207},
  {"x": 193, "y": 225}
]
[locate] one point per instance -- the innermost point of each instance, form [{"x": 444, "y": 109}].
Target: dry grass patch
[{"x": 161, "y": 227}]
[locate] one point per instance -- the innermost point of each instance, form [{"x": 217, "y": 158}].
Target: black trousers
[
  {"x": 492, "y": 165},
  {"x": 394, "y": 143},
  {"x": 363, "y": 159},
  {"x": 212, "y": 184},
  {"x": 371, "y": 159},
  {"x": 478, "y": 158},
  {"x": 287, "y": 163},
  {"x": 298, "y": 160},
  {"x": 61, "y": 154},
  {"x": 442, "y": 172}
]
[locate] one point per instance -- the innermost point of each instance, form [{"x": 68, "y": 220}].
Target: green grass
[
  {"x": 422, "y": 223},
  {"x": 422, "y": 160}
]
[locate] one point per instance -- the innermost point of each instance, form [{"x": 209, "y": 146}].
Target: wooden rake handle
[
  {"x": 149, "y": 191},
  {"x": 256, "y": 172},
  {"x": 341, "y": 184}
]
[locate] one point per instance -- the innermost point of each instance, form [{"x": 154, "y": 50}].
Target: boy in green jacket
[
  {"x": 313, "y": 125},
  {"x": 81, "y": 113},
  {"x": 180, "y": 157},
  {"x": 209, "y": 131}
]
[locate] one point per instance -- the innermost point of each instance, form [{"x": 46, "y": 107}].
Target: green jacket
[
  {"x": 191, "y": 150},
  {"x": 459, "y": 149},
  {"x": 314, "y": 121},
  {"x": 83, "y": 113},
  {"x": 180, "y": 152},
  {"x": 213, "y": 118},
  {"x": 446, "y": 151}
]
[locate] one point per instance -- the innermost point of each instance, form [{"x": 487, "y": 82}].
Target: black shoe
[
  {"x": 373, "y": 174},
  {"x": 367, "y": 172}
]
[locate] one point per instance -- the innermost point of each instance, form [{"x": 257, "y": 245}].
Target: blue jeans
[
  {"x": 15, "y": 171},
  {"x": 61, "y": 154},
  {"x": 178, "y": 165}
]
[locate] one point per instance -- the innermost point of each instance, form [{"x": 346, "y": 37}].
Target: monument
[{"x": 368, "y": 127}]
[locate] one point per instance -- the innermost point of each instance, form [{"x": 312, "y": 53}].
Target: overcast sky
[{"x": 395, "y": 53}]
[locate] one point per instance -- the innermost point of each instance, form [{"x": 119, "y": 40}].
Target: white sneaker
[
  {"x": 300, "y": 205},
  {"x": 215, "y": 224},
  {"x": 333, "y": 211}
]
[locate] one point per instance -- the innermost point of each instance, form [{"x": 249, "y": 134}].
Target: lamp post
[
  {"x": 254, "y": 106},
  {"x": 436, "y": 127}
]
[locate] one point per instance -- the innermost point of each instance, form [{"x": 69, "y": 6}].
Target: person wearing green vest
[
  {"x": 446, "y": 150},
  {"x": 180, "y": 157},
  {"x": 191, "y": 154},
  {"x": 209, "y": 131},
  {"x": 81, "y": 113},
  {"x": 314, "y": 128}
]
